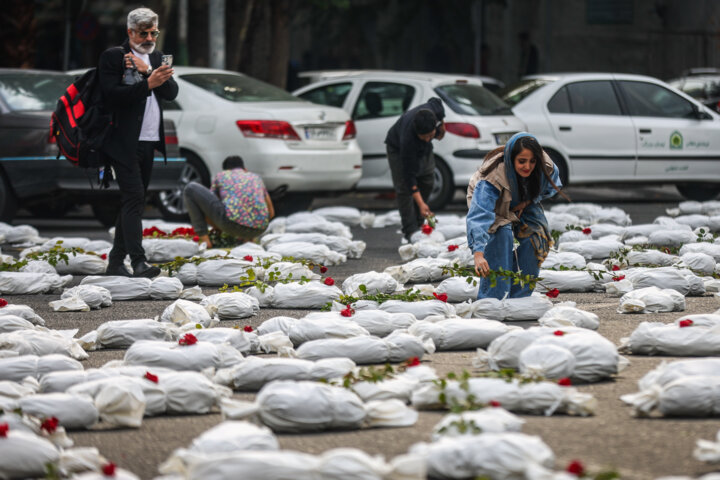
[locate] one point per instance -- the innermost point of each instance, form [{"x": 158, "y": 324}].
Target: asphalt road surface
[{"x": 640, "y": 448}]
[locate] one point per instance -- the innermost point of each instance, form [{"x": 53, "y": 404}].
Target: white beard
[{"x": 141, "y": 48}]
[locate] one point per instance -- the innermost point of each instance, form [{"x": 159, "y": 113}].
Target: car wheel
[
  {"x": 8, "y": 202},
  {"x": 292, "y": 203},
  {"x": 106, "y": 210},
  {"x": 562, "y": 166},
  {"x": 170, "y": 202},
  {"x": 443, "y": 187},
  {"x": 698, "y": 191}
]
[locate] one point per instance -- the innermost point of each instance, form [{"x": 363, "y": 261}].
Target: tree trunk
[
  {"x": 280, "y": 44},
  {"x": 237, "y": 42},
  {"x": 17, "y": 33}
]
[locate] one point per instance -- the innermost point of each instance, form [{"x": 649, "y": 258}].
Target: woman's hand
[
  {"x": 481, "y": 265},
  {"x": 518, "y": 209}
]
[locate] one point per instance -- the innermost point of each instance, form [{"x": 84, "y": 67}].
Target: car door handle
[
  {"x": 565, "y": 129},
  {"x": 645, "y": 130}
]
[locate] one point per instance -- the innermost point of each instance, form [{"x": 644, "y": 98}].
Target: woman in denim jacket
[{"x": 504, "y": 198}]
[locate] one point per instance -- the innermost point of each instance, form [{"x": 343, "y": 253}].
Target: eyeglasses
[{"x": 153, "y": 33}]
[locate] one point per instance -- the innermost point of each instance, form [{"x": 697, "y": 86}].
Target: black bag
[{"x": 80, "y": 124}]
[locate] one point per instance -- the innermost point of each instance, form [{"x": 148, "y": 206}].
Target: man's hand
[
  {"x": 481, "y": 265},
  {"x": 440, "y": 131},
  {"x": 160, "y": 76},
  {"x": 141, "y": 66}
]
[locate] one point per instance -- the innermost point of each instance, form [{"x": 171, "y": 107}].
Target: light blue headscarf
[{"x": 533, "y": 223}]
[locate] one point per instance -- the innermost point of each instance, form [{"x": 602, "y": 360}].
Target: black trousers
[
  {"x": 409, "y": 212},
  {"x": 133, "y": 178}
]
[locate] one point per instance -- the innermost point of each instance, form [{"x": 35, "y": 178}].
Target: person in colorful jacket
[
  {"x": 504, "y": 198},
  {"x": 236, "y": 203}
]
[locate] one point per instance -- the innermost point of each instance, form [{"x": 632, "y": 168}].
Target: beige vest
[{"x": 498, "y": 179}]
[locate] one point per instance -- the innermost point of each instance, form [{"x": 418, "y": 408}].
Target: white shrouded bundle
[
  {"x": 420, "y": 236},
  {"x": 421, "y": 249},
  {"x": 505, "y": 455},
  {"x": 254, "y": 372},
  {"x": 121, "y": 288},
  {"x": 668, "y": 372},
  {"x": 698, "y": 262},
  {"x": 307, "y": 222},
  {"x": 387, "y": 219},
  {"x": 264, "y": 295},
  {"x": 376, "y": 322},
  {"x": 232, "y": 305},
  {"x": 399, "y": 386},
  {"x": 23, "y": 311},
  {"x": 350, "y": 216},
  {"x": 712, "y": 249},
  {"x": 15, "y": 369},
  {"x": 167, "y": 249},
  {"x": 25, "y": 283},
  {"x": 692, "y": 396},
  {"x": 570, "y": 280},
  {"x": 42, "y": 342},
  {"x": 306, "y": 295},
  {"x": 81, "y": 264},
  {"x": 459, "y": 289},
  {"x": 504, "y": 351},
  {"x": 655, "y": 338},
  {"x": 26, "y": 455},
  {"x": 18, "y": 234},
  {"x": 671, "y": 238},
  {"x": 396, "y": 347},
  {"x": 286, "y": 270},
  {"x": 451, "y": 230},
  {"x": 567, "y": 315},
  {"x": 72, "y": 410},
  {"x": 165, "y": 288},
  {"x": 662, "y": 277},
  {"x": 123, "y": 333},
  {"x": 69, "y": 304},
  {"x": 573, "y": 236},
  {"x": 288, "y": 406},
  {"x": 421, "y": 309},
  {"x": 198, "y": 356},
  {"x": 315, "y": 253},
  {"x": 560, "y": 221},
  {"x": 94, "y": 296},
  {"x": 589, "y": 213},
  {"x": 486, "y": 420},
  {"x": 213, "y": 273},
  {"x": 420, "y": 270},
  {"x": 510, "y": 309},
  {"x": 61, "y": 381},
  {"x": 707, "y": 451},
  {"x": 374, "y": 283},
  {"x": 459, "y": 333},
  {"x": 11, "y": 323},
  {"x": 535, "y": 398},
  {"x": 563, "y": 259},
  {"x": 302, "y": 330},
  {"x": 592, "y": 249},
  {"x": 650, "y": 258},
  {"x": 652, "y": 300},
  {"x": 182, "y": 312},
  {"x": 342, "y": 245},
  {"x": 244, "y": 342}
]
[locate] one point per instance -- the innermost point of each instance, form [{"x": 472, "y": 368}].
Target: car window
[
  {"x": 513, "y": 94},
  {"x": 651, "y": 100},
  {"x": 333, "y": 95},
  {"x": 559, "y": 103},
  {"x": 382, "y": 99},
  {"x": 693, "y": 87},
  {"x": 238, "y": 88},
  {"x": 32, "y": 92},
  {"x": 470, "y": 99},
  {"x": 593, "y": 98}
]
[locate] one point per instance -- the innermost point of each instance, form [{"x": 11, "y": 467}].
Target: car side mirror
[{"x": 700, "y": 114}]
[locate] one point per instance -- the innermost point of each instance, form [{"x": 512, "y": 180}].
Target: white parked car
[
  {"x": 476, "y": 120},
  {"x": 622, "y": 128}
]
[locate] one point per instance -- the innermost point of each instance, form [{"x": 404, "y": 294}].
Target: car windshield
[
  {"x": 514, "y": 94},
  {"x": 23, "y": 91},
  {"x": 239, "y": 88},
  {"x": 469, "y": 99}
]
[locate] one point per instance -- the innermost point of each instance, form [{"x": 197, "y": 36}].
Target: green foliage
[
  {"x": 463, "y": 426},
  {"x": 175, "y": 265},
  {"x": 412, "y": 295},
  {"x": 516, "y": 278},
  {"x": 56, "y": 254}
]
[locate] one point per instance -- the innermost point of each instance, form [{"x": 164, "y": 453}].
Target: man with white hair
[{"x": 137, "y": 132}]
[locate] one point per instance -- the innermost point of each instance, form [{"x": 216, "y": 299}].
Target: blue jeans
[
  {"x": 499, "y": 254},
  {"x": 203, "y": 206}
]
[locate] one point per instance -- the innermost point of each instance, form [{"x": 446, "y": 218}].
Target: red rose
[
  {"x": 618, "y": 278},
  {"x": 427, "y": 229},
  {"x": 248, "y": 258},
  {"x": 442, "y": 297},
  {"x": 576, "y": 468},
  {"x": 564, "y": 382},
  {"x": 151, "y": 377},
  {"x": 50, "y": 424},
  {"x": 615, "y": 268},
  {"x": 329, "y": 281},
  {"x": 323, "y": 269},
  {"x": 452, "y": 248},
  {"x": 586, "y": 231},
  {"x": 247, "y": 328},
  {"x": 348, "y": 312},
  {"x": 494, "y": 403},
  {"x": 109, "y": 469},
  {"x": 4, "y": 428},
  {"x": 188, "y": 339},
  {"x": 685, "y": 323},
  {"x": 3, "y": 302},
  {"x": 558, "y": 333},
  {"x": 412, "y": 362},
  {"x": 196, "y": 238},
  {"x": 104, "y": 256},
  {"x": 553, "y": 293}
]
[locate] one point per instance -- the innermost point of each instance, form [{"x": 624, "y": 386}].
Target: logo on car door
[{"x": 676, "y": 140}]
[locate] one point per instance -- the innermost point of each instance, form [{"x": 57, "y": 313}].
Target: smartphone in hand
[{"x": 167, "y": 60}]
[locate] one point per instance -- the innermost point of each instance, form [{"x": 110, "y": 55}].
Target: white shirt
[{"x": 150, "y": 131}]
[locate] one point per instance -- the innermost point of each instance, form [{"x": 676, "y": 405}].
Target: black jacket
[
  {"x": 402, "y": 138},
  {"x": 127, "y": 102}
]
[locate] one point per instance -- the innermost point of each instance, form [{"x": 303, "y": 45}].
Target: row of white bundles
[
  {"x": 509, "y": 309},
  {"x": 651, "y": 300},
  {"x": 534, "y": 398},
  {"x": 454, "y": 248},
  {"x": 78, "y": 264},
  {"x": 308, "y": 222},
  {"x": 421, "y": 270},
  {"x": 459, "y": 333},
  {"x": 580, "y": 354},
  {"x": 312, "y": 294},
  {"x": 592, "y": 249},
  {"x": 376, "y": 322},
  {"x": 289, "y": 406},
  {"x": 712, "y": 249},
  {"x": 342, "y": 245},
  {"x": 589, "y": 213},
  {"x": 689, "y": 207},
  {"x": 131, "y": 288},
  {"x": 186, "y": 354},
  {"x": 41, "y": 341},
  {"x": 396, "y": 347},
  {"x": 16, "y": 368},
  {"x": 28, "y": 283},
  {"x": 689, "y": 336}
]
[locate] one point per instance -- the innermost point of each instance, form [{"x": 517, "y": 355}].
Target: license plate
[
  {"x": 319, "y": 133},
  {"x": 502, "y": 138}
]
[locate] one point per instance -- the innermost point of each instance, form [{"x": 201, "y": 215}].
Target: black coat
[{"x": 127, "y": 102}]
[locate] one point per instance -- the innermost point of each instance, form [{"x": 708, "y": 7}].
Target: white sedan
[
  {"x": 307, "y": 149},
  {"x": 622, "y": 128}
]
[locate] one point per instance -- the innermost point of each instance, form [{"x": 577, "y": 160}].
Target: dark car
[
  {"x": 31, "y": 175},
  {"x": 702, "y": 84}
]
